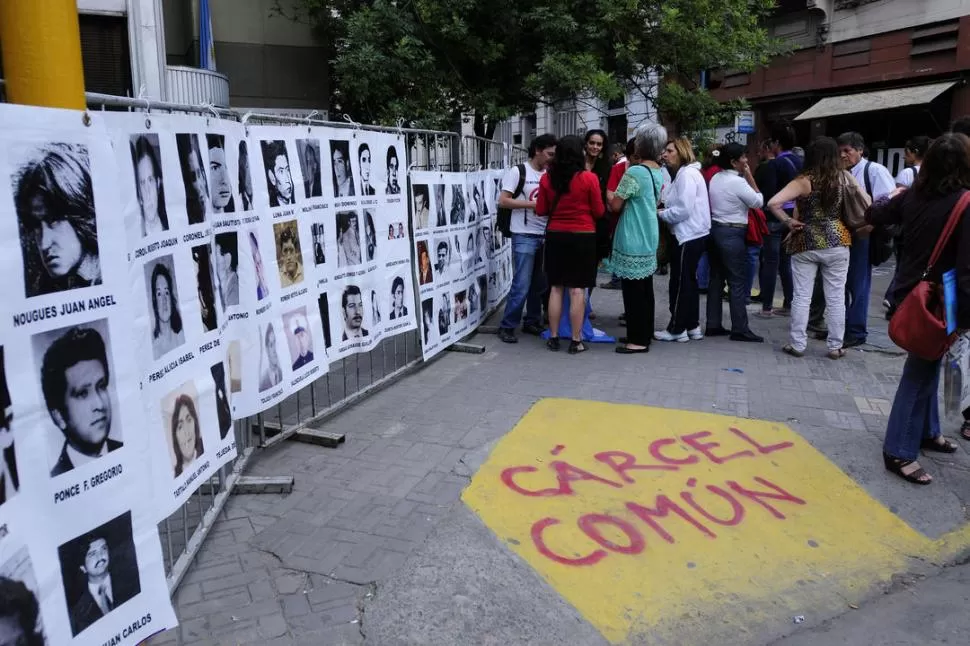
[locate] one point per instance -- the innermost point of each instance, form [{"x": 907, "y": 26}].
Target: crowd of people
[{"x": 815, "y": 219}]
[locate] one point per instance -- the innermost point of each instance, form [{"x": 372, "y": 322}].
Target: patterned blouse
[{"x": 823, "y": 227}]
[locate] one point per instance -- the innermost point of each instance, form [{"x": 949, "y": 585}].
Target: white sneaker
[
  {"x": 664, "y": 335},
  {"x": 696, "y": 334}
]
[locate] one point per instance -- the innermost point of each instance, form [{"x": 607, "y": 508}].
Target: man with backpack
[{"x": 517, "y": 218}]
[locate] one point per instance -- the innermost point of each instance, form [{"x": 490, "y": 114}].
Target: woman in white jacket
[{"x": 688, "y": 213}]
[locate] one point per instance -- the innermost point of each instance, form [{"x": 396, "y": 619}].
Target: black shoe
[
  {"x": 506, "y": 335},
  {"x": 553, "y": 343},
  {"x": 715, "y": 331},
  {"x": 534, "y": 330},
  {"x": 625, "y": 350},
  {"x": 747, "y": 337},
  {"x": 853, "y": 343}
]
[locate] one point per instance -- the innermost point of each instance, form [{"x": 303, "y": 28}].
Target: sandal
[
  {"x": 790, "y": 349},
  {"x": 939, "y": 445},
  {"x": 965, "y": 430},
  {"x": 835, "y": 355},
  {"x": 575, "y": 347},
  {"x": 553, "y": 343},
  {"x": 896, "y": 465}
]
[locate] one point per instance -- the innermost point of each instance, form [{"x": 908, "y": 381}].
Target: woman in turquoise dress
[{"x": 634, "y": 257}]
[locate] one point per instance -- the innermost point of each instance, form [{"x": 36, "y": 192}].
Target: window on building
[{"x": 105, "y": 54}]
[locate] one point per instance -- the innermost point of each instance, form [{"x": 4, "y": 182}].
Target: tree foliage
[{"x": 427, "y": 61}]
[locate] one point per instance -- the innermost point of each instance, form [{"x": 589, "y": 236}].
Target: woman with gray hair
[{"x": 634, "y": 257}]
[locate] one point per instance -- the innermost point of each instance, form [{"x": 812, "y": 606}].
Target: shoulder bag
[
  {"x": 854, "y": 204},
  {"x": 919, "y": 325}
]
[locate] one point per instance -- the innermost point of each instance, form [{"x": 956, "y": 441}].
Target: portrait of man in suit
[
  {"x": 76, "y": 382},
  {"x": 100, "y": 572}
]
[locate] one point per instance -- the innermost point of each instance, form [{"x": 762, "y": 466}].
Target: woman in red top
[{"x": 570, "y": 196}]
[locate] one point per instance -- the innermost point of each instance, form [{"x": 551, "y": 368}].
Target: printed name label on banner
[{"x": 188, "y": 481}]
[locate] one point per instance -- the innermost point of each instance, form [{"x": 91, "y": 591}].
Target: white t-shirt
[
  {"x": 525, "y": 220},
  {"x": 907, "y": 176}
]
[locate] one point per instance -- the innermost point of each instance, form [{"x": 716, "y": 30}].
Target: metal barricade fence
[{"x": 350, "y": 379}]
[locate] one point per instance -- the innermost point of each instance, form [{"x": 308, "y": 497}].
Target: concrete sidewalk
[{"x": 374, "y": 539}]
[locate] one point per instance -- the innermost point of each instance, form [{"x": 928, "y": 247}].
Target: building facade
[
  {"x": 618, "y": 118},
  {"x": 150, "y": 48},
  {"x": 889, "y": 69}
]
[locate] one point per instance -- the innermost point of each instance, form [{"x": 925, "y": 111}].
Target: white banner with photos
[
  {"x": 454, "y": 248},
  {"x": 79, "y": 548}
]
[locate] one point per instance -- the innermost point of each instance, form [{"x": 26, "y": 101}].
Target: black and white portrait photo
[
  {"x": 279, "y": 180},
  {"x": 227, "y": 267},
  {"x": 262, "y": 287},
  {"x": 205, "y": 286},
  {"x": 352, "y": 305},
  {"x": 193, "y": 177},
  {"x": 473, "y": 298},
  {"x": 475, "y": 207},
  {"x": 75, "y": 377},
  {"x": 298, "y": 337},
  {"x": 319, "y": 246},
  {"x": 440, "y": 208},
  {"x": 99, "y": 570},
  {"x": 444, "y": 314},
  {"x": 270, "y": 372},
  {"x": 245, "y": 177},
  {"x": 20, "y": 620},
  {"x": 421, "y": 206},
  {"x": 146, "y": 157},
  {"x": 370, "y": 235},
  {"x": 363, "y": 163},
  {"x": 375, "y": 308},
  {"x": 427, "y": 318},
  {"x": 393, "y": 166},
  {"x": 309, "y": 151},
  {"x": 166, "y": 322},
  {"x": 323, "y": 305},
  {"x": 219, "y": 184},
  {"x": 54, "y": 200},
  {"x": 343, "y": 177},
  {"x": 183, "y": 427},
  {"x": 288, "y": 252},
  {"x": 457, "y": 204},
  {"x": 483, "y": 293},
  {"x": 348, "y": 239},
  {"x": 399, "y": 309},
  {"x": 223, "y": 412},
  {"x": 442, "y": 258},
  {"x": 425, "y": 274},
  {"x": 234, "y": 361},
  {"x": 9, "y": 480}
]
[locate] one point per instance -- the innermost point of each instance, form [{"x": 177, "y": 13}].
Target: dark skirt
[{"x": 570, "y": 259}]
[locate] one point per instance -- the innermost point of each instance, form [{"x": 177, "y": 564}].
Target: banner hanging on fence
[
  {"x": 78, "y": 528},
  {"x": 452, "y": 227},
  {"x": 180, "y": 212}
]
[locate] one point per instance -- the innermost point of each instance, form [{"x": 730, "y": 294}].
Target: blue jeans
[
  {"x": 703, "y": 272},
  {"x": 857, "y": 286},
  {"x": 754, "y": 262},
  {"x": 916, "y": 411},
  {"x": 728, "y": 255},
  {"x": 528, "y": 283},
  {"x": 777, "y": 263}
]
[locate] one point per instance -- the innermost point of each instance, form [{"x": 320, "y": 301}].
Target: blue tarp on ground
[{"x": 590, "y": 334}]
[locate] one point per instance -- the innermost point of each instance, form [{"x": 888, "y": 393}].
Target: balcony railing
[{"x": 193, "y": 86}]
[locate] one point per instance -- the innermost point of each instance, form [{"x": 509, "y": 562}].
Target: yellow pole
[{"x": 41, "y": 45}]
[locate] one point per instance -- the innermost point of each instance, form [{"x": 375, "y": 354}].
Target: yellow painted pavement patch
[{"x": 664, "y": 526}]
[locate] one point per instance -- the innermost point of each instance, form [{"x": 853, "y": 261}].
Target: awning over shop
[{"x": 872, "y": 101}]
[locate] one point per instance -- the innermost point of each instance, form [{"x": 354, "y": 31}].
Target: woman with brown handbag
[{"x": 922, "y": 213}]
